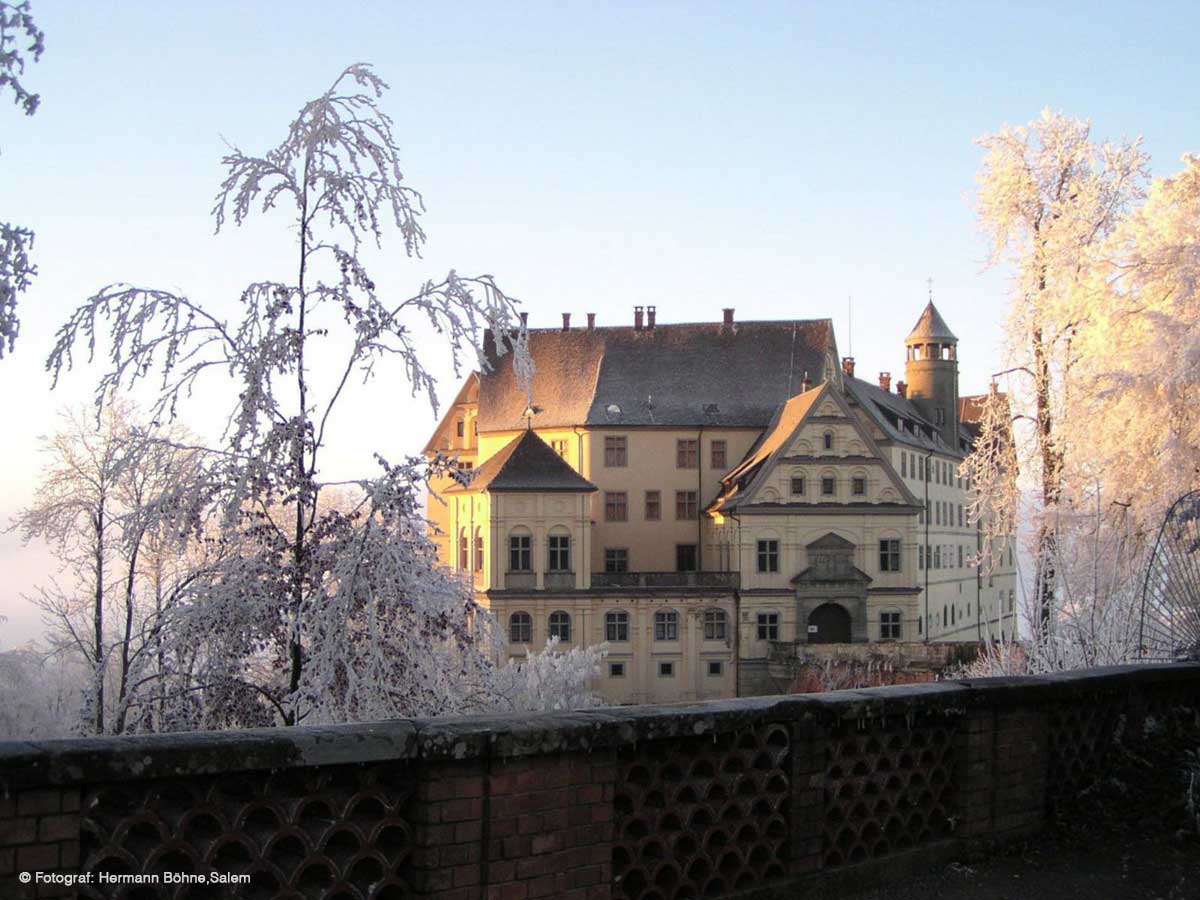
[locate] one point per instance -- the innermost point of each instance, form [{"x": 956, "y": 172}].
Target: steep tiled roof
[
  {"x": 888, "y": 409},
  {"x": 931, "y": 326},
  {"x": 526, "y": 463},
  {"x": 787, "y": 418},
  {"x": 673, "y": 374}
]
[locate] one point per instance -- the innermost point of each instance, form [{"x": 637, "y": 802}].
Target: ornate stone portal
[{"x": 831, "y": 594}]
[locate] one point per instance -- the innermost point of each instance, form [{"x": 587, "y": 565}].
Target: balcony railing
[{"x": 718, "y": 580}]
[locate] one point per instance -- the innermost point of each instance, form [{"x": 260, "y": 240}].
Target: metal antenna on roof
[{"x": 849, "y": 324}]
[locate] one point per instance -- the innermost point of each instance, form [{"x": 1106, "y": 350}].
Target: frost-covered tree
[
  {"x": 322, "y": 612},
  {"x": 96, "y": 507},
  {"x": 1048, "y": 199},
  {"x": 1136, "y": 412},
  {"x": 39, "y": 697},
  {"x": 20, "y": 40}
]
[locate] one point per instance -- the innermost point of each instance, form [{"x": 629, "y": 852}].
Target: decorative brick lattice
[
  {"x": 702, "y": 817},
  {"x": 888, "y": 787},
  {"x": 1079, "y": 737},
  {"x": 337, "y": 832}
]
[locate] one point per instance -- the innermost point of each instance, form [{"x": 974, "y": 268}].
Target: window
[
  {"x": 828, "y": 486},
  {"x": 463, "y": 562},
  {"x": 858, "y": 486},
  {"x": 478, "y": 550},
  {"x": 686, "y": 505},
  {"x": 653, "y": 506},
  {"x": 560, "y": 553},
  {"x": 1011, "y": 598},
  {"x": 666, "y": 670},
  {"x": 685, "y": 557},
  {"x": 616, "y": 506},
  {"x": 464, "y": 465},
  {"x": 918, "y": 625},
  {"x": 953, "y": 614},
  {"x": 717, "y": 454},
  {"x": 768, "y": 626},
  {"x": 685, "y": 454},
  {"x": 939, "y": 416},
  {"x": 666, "y": 625},
  {"x": 937, "y": 513},
  {"x": 520, "y": 553},
  {"x": 889, "y": 625},
  {"x": 903, "y": 465},
  {"x": 560, "y": 626},
  {"x": 520, "y": 628},
  {"x": 459, "y": 428},
  {"x": 616, "y": 626},
  {"x": 937, "y": 556},
  {"x": 827, "y": 440},
  {"x": 714, "y": 624},
  {"x": 616, "y": 559},
  {"x": 715, "y": 668},
  {"x": 615, "y": 451},
  {"x": 768, "y": 556},
  {"x": 960, "y": 516},
  {"x": 889, "y": 555},
  {"x": 559, "y": 447},
  {"x": 616, "y": 670},
  {"x": 960, "y": 556},
  {"x": 798, "y": 485},
  {"x": 921, "y": 556}
]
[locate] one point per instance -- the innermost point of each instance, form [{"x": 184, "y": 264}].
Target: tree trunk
[
  {"x": 1051, "y": 487},
  {"x": 98, "y": 622}
]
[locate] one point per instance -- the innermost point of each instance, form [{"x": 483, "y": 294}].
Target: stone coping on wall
[{"x": 26, "y": 764}]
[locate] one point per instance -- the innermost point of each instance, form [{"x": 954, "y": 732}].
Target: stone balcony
[{"x": 651, "y": 580}]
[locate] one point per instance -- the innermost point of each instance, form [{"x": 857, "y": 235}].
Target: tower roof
[
  {"x": 931, "y": 326},
  {"x": 527, "y": 463}
]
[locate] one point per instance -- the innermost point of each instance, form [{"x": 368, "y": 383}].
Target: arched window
[
  {"x": 560, "y": 626},
  {"x": 478, "y": 550},
  {"x": 666, "y": 625},
  {"x": 616, "y": 626},
  {"x": 827, "y": 440},
  {"x": 464, "y": 563},
  {"x": 715, "y": 627},
  {"x": 520, "y": 550},
  {"x": 520, "y": 628},
  {"x": 560, "y": 551}
]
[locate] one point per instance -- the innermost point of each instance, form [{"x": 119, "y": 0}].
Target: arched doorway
[{"x": 829, "y": 623}]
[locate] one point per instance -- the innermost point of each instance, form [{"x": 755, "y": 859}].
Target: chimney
[
  {"x": 591, "y": 321},
  {"x": 566, "y": 321},
  {"x": 524, "y": 320},
  {"x": 650, "y": 317},
  {"x": 848, "y": 366},
  {"x": 728, "y": 316},
  {"x": 901, "y": 388},
  {"x": 637, "y": 318},
  {"x": 885, "y": 380},
  {"x": 805, "y": 383}
]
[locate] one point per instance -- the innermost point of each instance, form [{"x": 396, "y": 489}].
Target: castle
[{"x": 708, "y": 497}]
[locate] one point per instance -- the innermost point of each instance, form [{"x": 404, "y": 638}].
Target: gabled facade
[{"x": 724, "y": 491}]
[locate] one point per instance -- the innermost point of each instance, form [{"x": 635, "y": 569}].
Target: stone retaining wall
[{"x": 744, "y": 797}]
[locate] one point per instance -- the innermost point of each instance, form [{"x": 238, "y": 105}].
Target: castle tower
[{"x": 931, "y": 370}]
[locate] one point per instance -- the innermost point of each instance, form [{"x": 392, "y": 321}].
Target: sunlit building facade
[{"x": 702, "y": 496}]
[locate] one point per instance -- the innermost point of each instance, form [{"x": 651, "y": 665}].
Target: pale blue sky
[{"x": 774, "y": 157}]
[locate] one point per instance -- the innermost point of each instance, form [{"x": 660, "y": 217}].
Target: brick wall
[
  {"x": 39, "y": 832},
  {"x": 709, "y": 799}
]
